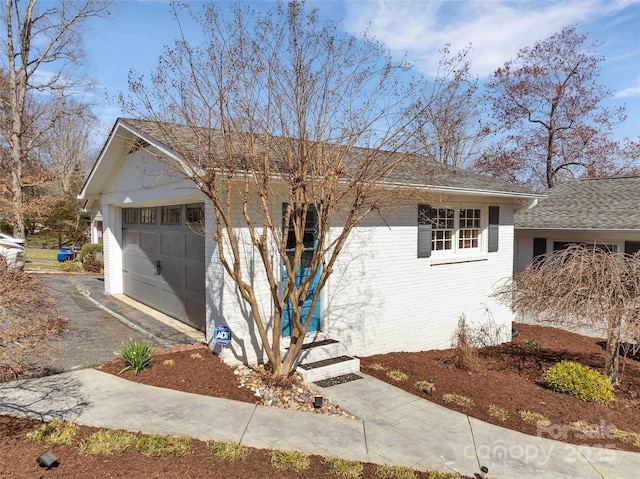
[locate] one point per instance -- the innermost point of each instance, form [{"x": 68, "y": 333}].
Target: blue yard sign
[{"x": 222, "y": 335}]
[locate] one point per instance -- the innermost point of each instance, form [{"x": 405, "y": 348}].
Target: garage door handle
[{"x": 158, "y": 267}]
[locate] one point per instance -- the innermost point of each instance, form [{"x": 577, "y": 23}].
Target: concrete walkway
[{"x": 392, "y": 426}]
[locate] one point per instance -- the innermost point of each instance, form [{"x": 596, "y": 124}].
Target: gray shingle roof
[
  {"x": 414, "y": 170},
  {"x": 598, "y": 203}
]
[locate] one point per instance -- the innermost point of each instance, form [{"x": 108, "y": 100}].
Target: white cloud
[
  {"x": 628, "y": 92},
  {"x": 495, "y": 29}
]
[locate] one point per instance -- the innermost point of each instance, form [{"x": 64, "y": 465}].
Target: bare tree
[
  {"x": 548, "y": 105},
  {"x": 68, "y": 150},
  {"x": 449, "y": 124},
  {"x": 289, "y": 128},
  {"x": 582, "y": 287},
  {"x": 29, "y": 320},
  {"x": 33, "y": 39}
]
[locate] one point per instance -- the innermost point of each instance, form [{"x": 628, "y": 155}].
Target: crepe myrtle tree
[
  {"x": 582, "y": 286},
  {"x": 274, "y": 107}
]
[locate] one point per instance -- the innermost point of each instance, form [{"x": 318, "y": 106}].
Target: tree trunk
[{"x": 612, "y": 351}]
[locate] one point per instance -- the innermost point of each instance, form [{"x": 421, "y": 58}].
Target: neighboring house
[
  {"x": 401, "y": 284},
  {"x": 600, "y": 211}
]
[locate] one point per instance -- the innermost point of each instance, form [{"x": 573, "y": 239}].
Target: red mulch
[{"x": 508, "y": 375}]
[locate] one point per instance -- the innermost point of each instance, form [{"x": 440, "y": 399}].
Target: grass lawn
[{"x": 41, "y": 259}]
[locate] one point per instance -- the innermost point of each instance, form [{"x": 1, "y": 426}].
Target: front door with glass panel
[{"x": 310, "y": 240}]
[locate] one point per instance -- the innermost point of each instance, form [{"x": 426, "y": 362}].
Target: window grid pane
[
  {"x": 469, "y": 232},
  {"x": 171, "y": 215},
  {"x": 131, "y": 216},
  {"x": 195, "y": 215},
  {"x": 148, "y": 216},
  {"x": 442, "y": 229}
]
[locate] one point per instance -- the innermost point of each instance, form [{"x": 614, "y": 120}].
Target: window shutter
[
  {"x": 631, "y": 247},
  {"x": 494, "y": 225},
  {"x": 424, "y": 231},
  {"x": 539, "y": 247}
]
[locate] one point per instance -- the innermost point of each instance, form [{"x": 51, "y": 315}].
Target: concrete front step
[{"x": 324, "y": 359}]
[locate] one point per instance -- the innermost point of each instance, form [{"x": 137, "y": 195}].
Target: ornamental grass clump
[
  {"x": 581, "y": 381},
  {"x": 137, "y": 355}
]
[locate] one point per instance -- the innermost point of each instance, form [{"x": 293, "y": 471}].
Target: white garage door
[{"x": 163, "y": 262}]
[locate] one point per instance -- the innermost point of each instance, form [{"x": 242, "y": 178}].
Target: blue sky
[{"x": 135, "y": 33}]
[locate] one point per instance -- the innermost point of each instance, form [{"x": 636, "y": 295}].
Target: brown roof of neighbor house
[
  {"x": 415, "y": 170},
  {"x": 594, "y": 203}
]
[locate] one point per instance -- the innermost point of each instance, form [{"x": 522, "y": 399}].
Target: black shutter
[
  {"x": 631, "y": 247},
  {"x": 494, "y": 226},
  {"x": 539, "y": 247},
  {"x": 424, "y": 230}
]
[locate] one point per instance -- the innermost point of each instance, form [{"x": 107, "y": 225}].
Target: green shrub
[
  {"x": 459, "y": 400},
  {"x": 385, "y": 471},
  {"x": 397, "y": 375},
  {"x": 580, "y": 381},
  {"x": 163, "y": 446},
  {"x": 137, "y": 355},
  {"x": 290, "y": 460},
  {"x": 531, "y": 417},
  {"x": 55, "y": 433},
  {"x": 344, "y": 468},
  {"x": 91, "y": 257},
  {"x": 107, "y": 443},
  {"x": 228, "y": 450}
]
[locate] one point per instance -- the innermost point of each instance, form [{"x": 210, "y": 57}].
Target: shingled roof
[
  {"x": 595, "y": 204},
  {"x": 415, "y": 170}
]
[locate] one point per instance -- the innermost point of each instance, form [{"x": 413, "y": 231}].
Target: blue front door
[{"x": 310, "y": 242}]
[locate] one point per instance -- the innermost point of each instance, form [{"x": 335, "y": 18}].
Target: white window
[{"x": 455, "y": 230}]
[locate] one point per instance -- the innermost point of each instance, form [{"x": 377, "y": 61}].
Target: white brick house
[{"x": 401, "y": 284}]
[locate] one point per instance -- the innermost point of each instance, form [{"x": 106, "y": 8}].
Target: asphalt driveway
[{"x": 98, "y": 324}]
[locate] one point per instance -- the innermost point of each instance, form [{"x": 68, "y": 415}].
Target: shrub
[
  {"x": 344, "y": 468},
  {"x": 29, "y": 323},
  {"x": 163, "y": 446},
  {"x": 228, "y": 450},
  {"x": 107, "y": 443},
  {"x": 290, "y": 460},
  {"x": 70, "y": 266},
  {"x": 91, "y": 257},
  {"x": 397, "y": 375},
  {"x": 137, "y": 355},
  {"x": 459, "y": 400},
  {"x": 465, "y": 353},
  {"x": 445, "y": 475},
  {"x": 55, "y": 433},
  {"x": 536, "y": 418},
  {"x": 394, "y": 472},
  {"x": 580, "y": 381},
  {"x": 425, "y": 386},
  {"x": 498, "y": 412}
]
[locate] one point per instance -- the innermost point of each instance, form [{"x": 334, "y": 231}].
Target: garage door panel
[
  {"x": 172, "y": 303},
  {"x": 149, "y": 293},
  {"x": 131, "y": 287},
  {"x": 173, "y": 244},
  {"x": 196, "y": 309},
  {"x": 195, "y": 247},
  {"x": 147, "y": 269},
  {"x": 173, "y": 273},
  {"x": 194, "y": 274},
  {"x": 149, "y": 243}
]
